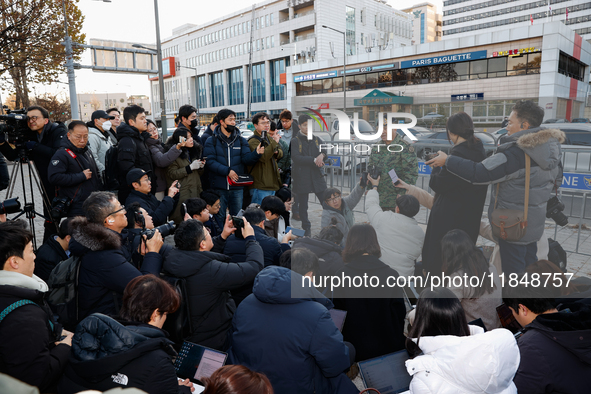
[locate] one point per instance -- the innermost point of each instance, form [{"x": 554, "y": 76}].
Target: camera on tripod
[
  {"x": 165, "y": 229},
  {"x": 554, "y": 209},
  {"x": 60, "y": 207},
  {"x": 14, "y": 125},
  {"x": 10, "y": 206}
]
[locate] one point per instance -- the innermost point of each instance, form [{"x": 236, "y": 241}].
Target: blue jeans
[
  {"x": 229, "y": 199},
  {"x": 515, "y": 258},
  {"x": 257, "y": 195}
]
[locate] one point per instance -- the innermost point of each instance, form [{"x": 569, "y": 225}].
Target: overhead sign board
[
  {"x": 467, "y": 97},
  {"x": 454, "y": 58},
  {"x": 312, "y": 77},
  {"x": 168, "y": 69},
  {"x": 515, "y": 52}
]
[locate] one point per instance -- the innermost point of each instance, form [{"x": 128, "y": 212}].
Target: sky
[{"x": 133, "y": 21}]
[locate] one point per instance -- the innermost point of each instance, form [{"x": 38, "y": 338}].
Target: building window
[
  {"x": 571, "y": 67},
  {"x": 277, "y": 89},
  {"x": 235, "y": 86},
  {"x": 267, "y": 20},
  {"x": 258, "y": 83},
  {"x": 271, "y": 17},
  {"x": 201, "y": 88},
  {"x": 217, "y": 89},
  {"x": 350, "y": 33},
  {"x": 422, "y": 28}
]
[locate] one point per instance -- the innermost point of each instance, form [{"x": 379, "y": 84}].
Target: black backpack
[
  {"x": 63, "y": 291},
  {"x": 111, "y": 177},
  {"x": 178, "y": 324}
]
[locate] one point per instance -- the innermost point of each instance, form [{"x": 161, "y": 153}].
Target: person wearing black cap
[
  {"x": 140, "y": 182},
  {"x": 99, "y": 140}
]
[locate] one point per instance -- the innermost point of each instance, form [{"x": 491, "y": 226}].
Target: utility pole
[
  {"x": 344, "y": 65},
  {"x": 249, "y": 73},
  {"x": 160, "y": 74},
  {"x": 70, "y": 68}
]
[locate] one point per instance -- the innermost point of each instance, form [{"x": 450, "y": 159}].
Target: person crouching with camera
[{"x": 74, "y": 172}]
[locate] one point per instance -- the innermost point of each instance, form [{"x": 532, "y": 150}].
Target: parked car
[
  {"x": 417, "y": 131},
  {"x": 576, "y": 150},
  {"x": 439, "y": 142},
  {"x": 556, "y": 120},
  {"x": 581, "y": 120}
]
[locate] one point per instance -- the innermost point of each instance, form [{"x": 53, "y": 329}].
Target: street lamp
[
  {"x": 344, "y": 65},
  {"x": 158, "y": 52},
  {"x": 196, "y": 92}
]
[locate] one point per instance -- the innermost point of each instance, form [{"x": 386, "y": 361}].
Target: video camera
[
  {"x": 10, "y": 206},
  {"x": 14, "y": 125},
  {"x": 165, "y": 229}
]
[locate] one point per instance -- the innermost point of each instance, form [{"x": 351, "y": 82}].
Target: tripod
[{"x": 29, "y": 206}]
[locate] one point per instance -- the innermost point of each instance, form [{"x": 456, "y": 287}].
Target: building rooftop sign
[
  {"x": 311, "y": 77},
  {"x": 455, "y": 58}
]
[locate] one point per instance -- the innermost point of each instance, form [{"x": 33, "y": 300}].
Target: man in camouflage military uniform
[{"x": 402, "y": 158}]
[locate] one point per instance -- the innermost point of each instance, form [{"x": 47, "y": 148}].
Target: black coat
[
  {"x": 458, "y": 205},
  {"x": 306, "y": 176},
  {"x": 105, "y": 270},
  {"x": 27, "y": 346},
  {"x": 47, "y": 257},
  {"x": 158, "y": 210},
  {"x": 375, "y": 326},
  {"x": 556, "y": 353},
  {"x": 65, "y": 173},
  {"x": 108, "y": 354},
  {"x": 210, "y": 276},
  {"x": 4, "y": 177},
  {"x": 235, "y": 249},
  {"x": 323, "y": 249},
  {"x": 41, "y": 154},
  {"x": 132, "y": 152}
]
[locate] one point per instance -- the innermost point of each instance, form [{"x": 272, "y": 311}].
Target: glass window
[
  {"x": 360, "y": 81},
  {"x": 478, "y": 69},
  {"x": 327, "y": 85},
  {"x": 350, "y": 80},
  {"x": 516, "y": 65},
  {"x": 350, "y": 32},
  {"x": 495, "y": 108},
  {"x": 272, "y": 40},
  {"x": 372, "y": 80},
  {"x": 317, "y": 86},
  {"x": 271, "y": 19},
  {"x": 267, "y": 20},
  {"x": 534, "y": 61},
  {"x": 337, "y": 84},
  {"x": 479, "y": 109}
]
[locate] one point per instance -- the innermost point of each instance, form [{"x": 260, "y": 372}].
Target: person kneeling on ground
[
  {"x": 291, "y": 337},
  {"x": 130, "y": 352},
  {"x": 141, "y": 184},
  {"x": 334, "y": 205},
  {"x": 209, "y": 276}
]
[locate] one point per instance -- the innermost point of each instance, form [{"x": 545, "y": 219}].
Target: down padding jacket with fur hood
[
  {"x": 107, "y": 353},
  {"x": 104, "y": 269},
  {"x": 507, "y": 168}
]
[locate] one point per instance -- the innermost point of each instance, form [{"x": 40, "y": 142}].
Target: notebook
[
  {"x": 387, "y": 373},
  {"x": 197, "y": 362},
  {"x": 338, "y": 317}
]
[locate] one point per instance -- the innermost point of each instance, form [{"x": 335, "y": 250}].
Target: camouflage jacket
[{"x": 405, "y": 163}]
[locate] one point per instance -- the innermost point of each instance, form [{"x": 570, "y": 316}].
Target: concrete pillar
[
  {"x": 267, "y": 81},
  {"x": 226, "y": 88},
  {"x": 291, "y": 12},
  {"x": 208, "y": 102},
  {"x": 246, "y": 83}
]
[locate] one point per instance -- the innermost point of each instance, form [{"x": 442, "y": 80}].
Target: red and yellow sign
[{"x": 515, "y": 52}]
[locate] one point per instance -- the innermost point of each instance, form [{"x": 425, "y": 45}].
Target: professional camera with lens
[
  {"x": 14, "y": 125},
  {"x": 10, "y": 206},
  {"x": 60, "y": 207},
  {"x": 554, "y": 209},
  {"x": 165, "y": 229}
]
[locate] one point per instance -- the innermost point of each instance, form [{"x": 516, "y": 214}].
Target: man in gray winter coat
[
  {"x": 507, "y": 168},
  {"x": 99, "y": 141}
]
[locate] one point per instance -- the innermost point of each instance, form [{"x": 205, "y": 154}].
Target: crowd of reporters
[{"x": 238, "y": 274}]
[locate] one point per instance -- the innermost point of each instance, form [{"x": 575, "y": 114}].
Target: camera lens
[{"x": 10, "y": 206}]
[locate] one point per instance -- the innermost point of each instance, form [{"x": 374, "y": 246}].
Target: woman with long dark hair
[
  {"x": 375, "y": 314},
  {"x": 237, "y": 379},
  {"x": 161, "y": 158},
  {"x": 461, "y": 257},
  {"x": 186, "y": 168},
  {"x": 449, "y": 356},
  {"x": 458, "y": 204}
]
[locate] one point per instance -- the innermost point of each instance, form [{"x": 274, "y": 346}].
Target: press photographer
[
  {"x": 38, "y": 139},
  {"x": 74, "y": 173}
]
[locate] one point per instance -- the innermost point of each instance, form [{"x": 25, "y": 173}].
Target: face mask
[
  {"x": 194, "y": 123},
  {"x": 230, "y": 128},
  {"x": 107, "y": 125}
]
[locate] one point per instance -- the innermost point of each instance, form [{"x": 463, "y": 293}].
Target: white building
[
  {"x": 462, "y": 18},
  {"x": 213, "y": 58},
  {"x": 426, "y": 23},
  {"x": 90, "y": 102}
]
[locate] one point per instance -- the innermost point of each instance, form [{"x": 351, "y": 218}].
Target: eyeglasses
[
  {"x": 265, "y": 123},
  {"x": 216, "y": 205},
  {"x": 334, "y": 199},
  {"x": 289, "y": 202},
  {"x": 117, "y": 211},
  {"x": 33, "y": 118}
]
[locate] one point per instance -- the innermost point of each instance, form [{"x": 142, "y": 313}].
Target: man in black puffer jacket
[
  {"x": 73, "y": 169},
  {"x": 210, "y": 275},
  {"x": 132, "y": 150}
]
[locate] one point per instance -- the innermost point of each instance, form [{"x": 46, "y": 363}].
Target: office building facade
[{"x": 426, "y": 23}]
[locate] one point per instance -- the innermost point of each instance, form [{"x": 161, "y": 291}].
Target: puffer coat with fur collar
[{"x": 507, "y": 168}]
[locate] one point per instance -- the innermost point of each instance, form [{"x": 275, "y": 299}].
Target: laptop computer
[
  {"x": 386, "y": 373},
  {"x": 197, "y": 362},
  {"x": 338, "y": 317}
]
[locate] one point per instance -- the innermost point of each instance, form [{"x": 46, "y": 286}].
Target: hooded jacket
[
  {"x": 66, "y": 174},
  {"x": 507, "y": 168},
  {"x": 41, "y": 154},
  {"x": 108, "y": 354},
  {"x": 210, "y": 276},
  {"x": 478, "y": 363},
  {"x": 225, "y": 154},
  {"x": 104, "y": 270},
  {"x": 161, "y": 160},
  {"x": 556, "y": 353},
  {"x": 132, "y": 152},
  {"x": 325, "y": 250},
  {"x": 27, "y": 348},
  {"x": 99, "y": 143},
  {"x": 291, "y": 340},
  {"x": 400, "y": 237},
  {"x": 345, "y": 216}
]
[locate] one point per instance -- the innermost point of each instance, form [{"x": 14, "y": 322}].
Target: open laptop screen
[
  {"x": 197, "y": 362},
  {"x": 386, "y": 373}
]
